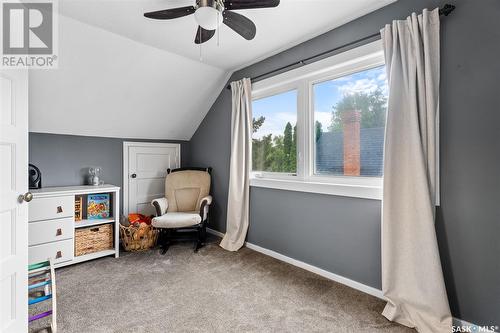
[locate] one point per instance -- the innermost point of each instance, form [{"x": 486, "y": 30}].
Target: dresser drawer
[
  {"x": 49, "y": 231},
  {"x": 51, "y": 208},
  {"x": 60, "y": 251}
]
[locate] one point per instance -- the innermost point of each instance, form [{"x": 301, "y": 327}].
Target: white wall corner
[{"x": 211, "y": 101}]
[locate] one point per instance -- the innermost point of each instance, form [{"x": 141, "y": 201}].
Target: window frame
[
  {"x": 302, "y": 79},
  {"x": 281, "y": 89}
]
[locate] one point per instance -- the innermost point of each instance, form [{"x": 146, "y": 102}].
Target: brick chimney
[{"x": 352, "y": 151}]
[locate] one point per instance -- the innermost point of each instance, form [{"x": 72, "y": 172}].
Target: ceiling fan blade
[
  {"x": 249, "y": 4},
  {"x": 172, "y": 13},
  {"x": 241, "y": 24},
  {"x": 203, "y": 35}
]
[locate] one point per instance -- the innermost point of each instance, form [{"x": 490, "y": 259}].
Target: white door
[
  {"x": 13, "y": 211},
  {"x": 145, "y": 169}
]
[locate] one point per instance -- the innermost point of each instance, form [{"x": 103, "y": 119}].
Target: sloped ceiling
[{"x": 122, "y": 75}]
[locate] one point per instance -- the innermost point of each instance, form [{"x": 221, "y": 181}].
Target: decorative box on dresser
[{"x": 52, "y": 225}]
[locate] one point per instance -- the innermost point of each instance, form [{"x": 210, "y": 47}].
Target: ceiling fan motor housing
[{"x": 209, "y": 13}]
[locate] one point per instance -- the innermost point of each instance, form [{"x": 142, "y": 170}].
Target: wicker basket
[
  {"x": 136, "y": 238},
  {"x": 93, "y": 239}
]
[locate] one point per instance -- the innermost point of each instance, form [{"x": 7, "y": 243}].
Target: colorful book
[
  {"x": 98, "y": 206},
  {"x": 78, "y": 208}
]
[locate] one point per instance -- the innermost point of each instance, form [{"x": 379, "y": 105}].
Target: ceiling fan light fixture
[{"x": 208, "y": 15}]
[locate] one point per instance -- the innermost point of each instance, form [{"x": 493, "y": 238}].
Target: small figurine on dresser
[{"x": 95, "y": 176}]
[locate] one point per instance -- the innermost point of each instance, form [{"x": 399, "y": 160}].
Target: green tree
[
  {"x": 275, "y": 153},
  {"x": 372, "y": 106},
  {"x": 278, "y": 160},
  {"x": 262, "y": 152},
  {"x": 287, "y": 147},
  {"x": 293, "y": 154},
  {"x": 257, "y": 123},
  {"x": 318, "y": 127}
]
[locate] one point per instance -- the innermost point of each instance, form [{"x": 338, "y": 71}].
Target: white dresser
[{"x": 51, "y": 228}]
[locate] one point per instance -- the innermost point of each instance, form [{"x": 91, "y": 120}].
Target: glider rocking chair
[{"x": 184, "y": 207}]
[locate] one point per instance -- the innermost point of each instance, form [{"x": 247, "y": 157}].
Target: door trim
[
  {"x": 126, "y": 146},
  {"x": 13, "y": 265}
]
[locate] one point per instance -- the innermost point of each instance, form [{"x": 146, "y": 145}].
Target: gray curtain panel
[
  {"x": 240, "y": 164},
  {"x": 412, "y": 277}
]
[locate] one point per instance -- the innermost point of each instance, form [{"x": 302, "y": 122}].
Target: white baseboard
[
  {"x": 329, "y": 275},
  {"x": 334, "y": 277},
  {"x": 215, "y": 232}
]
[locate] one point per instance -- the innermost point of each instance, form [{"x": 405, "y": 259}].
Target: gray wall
[
  {"x": 342, "y": 235},
  {"x": 334, "y": 233},
  {"x": 64, "y": 159}
]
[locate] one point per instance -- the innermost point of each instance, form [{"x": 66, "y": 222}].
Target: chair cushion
[
  {"x": 184, "y": 190},
  {"x": 186, "y": 198},
  {"x": 177, "y": 220}
]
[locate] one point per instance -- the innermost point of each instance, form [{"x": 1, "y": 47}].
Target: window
[
  {"x": 349, "y": 124},
  {"x": 274, "y": 138},
  {"x": 320, "y": 128}
]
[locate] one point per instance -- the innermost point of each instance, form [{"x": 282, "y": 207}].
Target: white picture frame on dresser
[{"x": 51, "y": 227}]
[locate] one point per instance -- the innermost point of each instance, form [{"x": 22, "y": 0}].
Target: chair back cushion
[{"x": 185, "y": 189}]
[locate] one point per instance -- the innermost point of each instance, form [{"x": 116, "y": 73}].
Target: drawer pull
[
  {"x": 59, "y": 232},
  {"x": 94, "y": 229},
  {"x": 59, "y": 209},
  {"x": 58, "y": 254}
]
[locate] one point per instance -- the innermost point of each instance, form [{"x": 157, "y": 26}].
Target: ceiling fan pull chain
[
  {"x": 201, "y": 58},
  {"x": 218, "y": 30}
]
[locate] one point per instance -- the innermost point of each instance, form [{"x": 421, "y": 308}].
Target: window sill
[{"x": 344, "y": 190}]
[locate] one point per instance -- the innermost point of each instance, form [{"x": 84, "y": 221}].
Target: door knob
[
  {"x": 133, "y": 175},
  {"x": 28, "y": 196}
]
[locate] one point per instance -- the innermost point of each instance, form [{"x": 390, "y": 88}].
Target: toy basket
[
  {"x": 138, "y": 237},
  {"x": 93, "y": 239}
]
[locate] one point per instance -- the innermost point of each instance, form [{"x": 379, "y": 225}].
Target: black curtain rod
[{"x": 445, "y": 11}]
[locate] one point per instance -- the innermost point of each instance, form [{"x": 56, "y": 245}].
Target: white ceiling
[
  {"x": 122, "y": 75},
  {"x": 292, "y": 22},
  {"x": 111, "y": 86}
]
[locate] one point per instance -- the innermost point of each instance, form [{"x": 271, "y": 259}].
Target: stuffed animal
[
  {"x": 143, "y": 229},
  {"x": 134, "y": 218}
]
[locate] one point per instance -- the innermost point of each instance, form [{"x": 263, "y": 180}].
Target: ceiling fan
[{"x": 210, "y": 14}]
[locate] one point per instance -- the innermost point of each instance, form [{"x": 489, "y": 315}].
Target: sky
[{"x": 282, "y": 108}]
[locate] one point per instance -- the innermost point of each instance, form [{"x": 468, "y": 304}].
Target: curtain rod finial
[{"x": 447, "y": 9}]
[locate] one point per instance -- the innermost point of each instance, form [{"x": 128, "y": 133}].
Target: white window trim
[
  {"x": 302, "y": 79},
  {"x": 344, "y": 190}
]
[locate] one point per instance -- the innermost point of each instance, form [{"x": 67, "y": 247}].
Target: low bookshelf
[{"x": 54, "y": 227}]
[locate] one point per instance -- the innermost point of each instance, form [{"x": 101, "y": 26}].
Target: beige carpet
[{"x": 211, "y": 291}]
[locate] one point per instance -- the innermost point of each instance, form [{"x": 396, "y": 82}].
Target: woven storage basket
[
  {"x": 93, "y": 239},
  {"x": 138, "y": 239}
]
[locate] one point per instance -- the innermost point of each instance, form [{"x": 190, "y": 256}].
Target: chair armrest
[
  {"x": 161, "y": 206},
  {"x": 204, "y": 205},
  {"x": 207, "y": 200}
]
